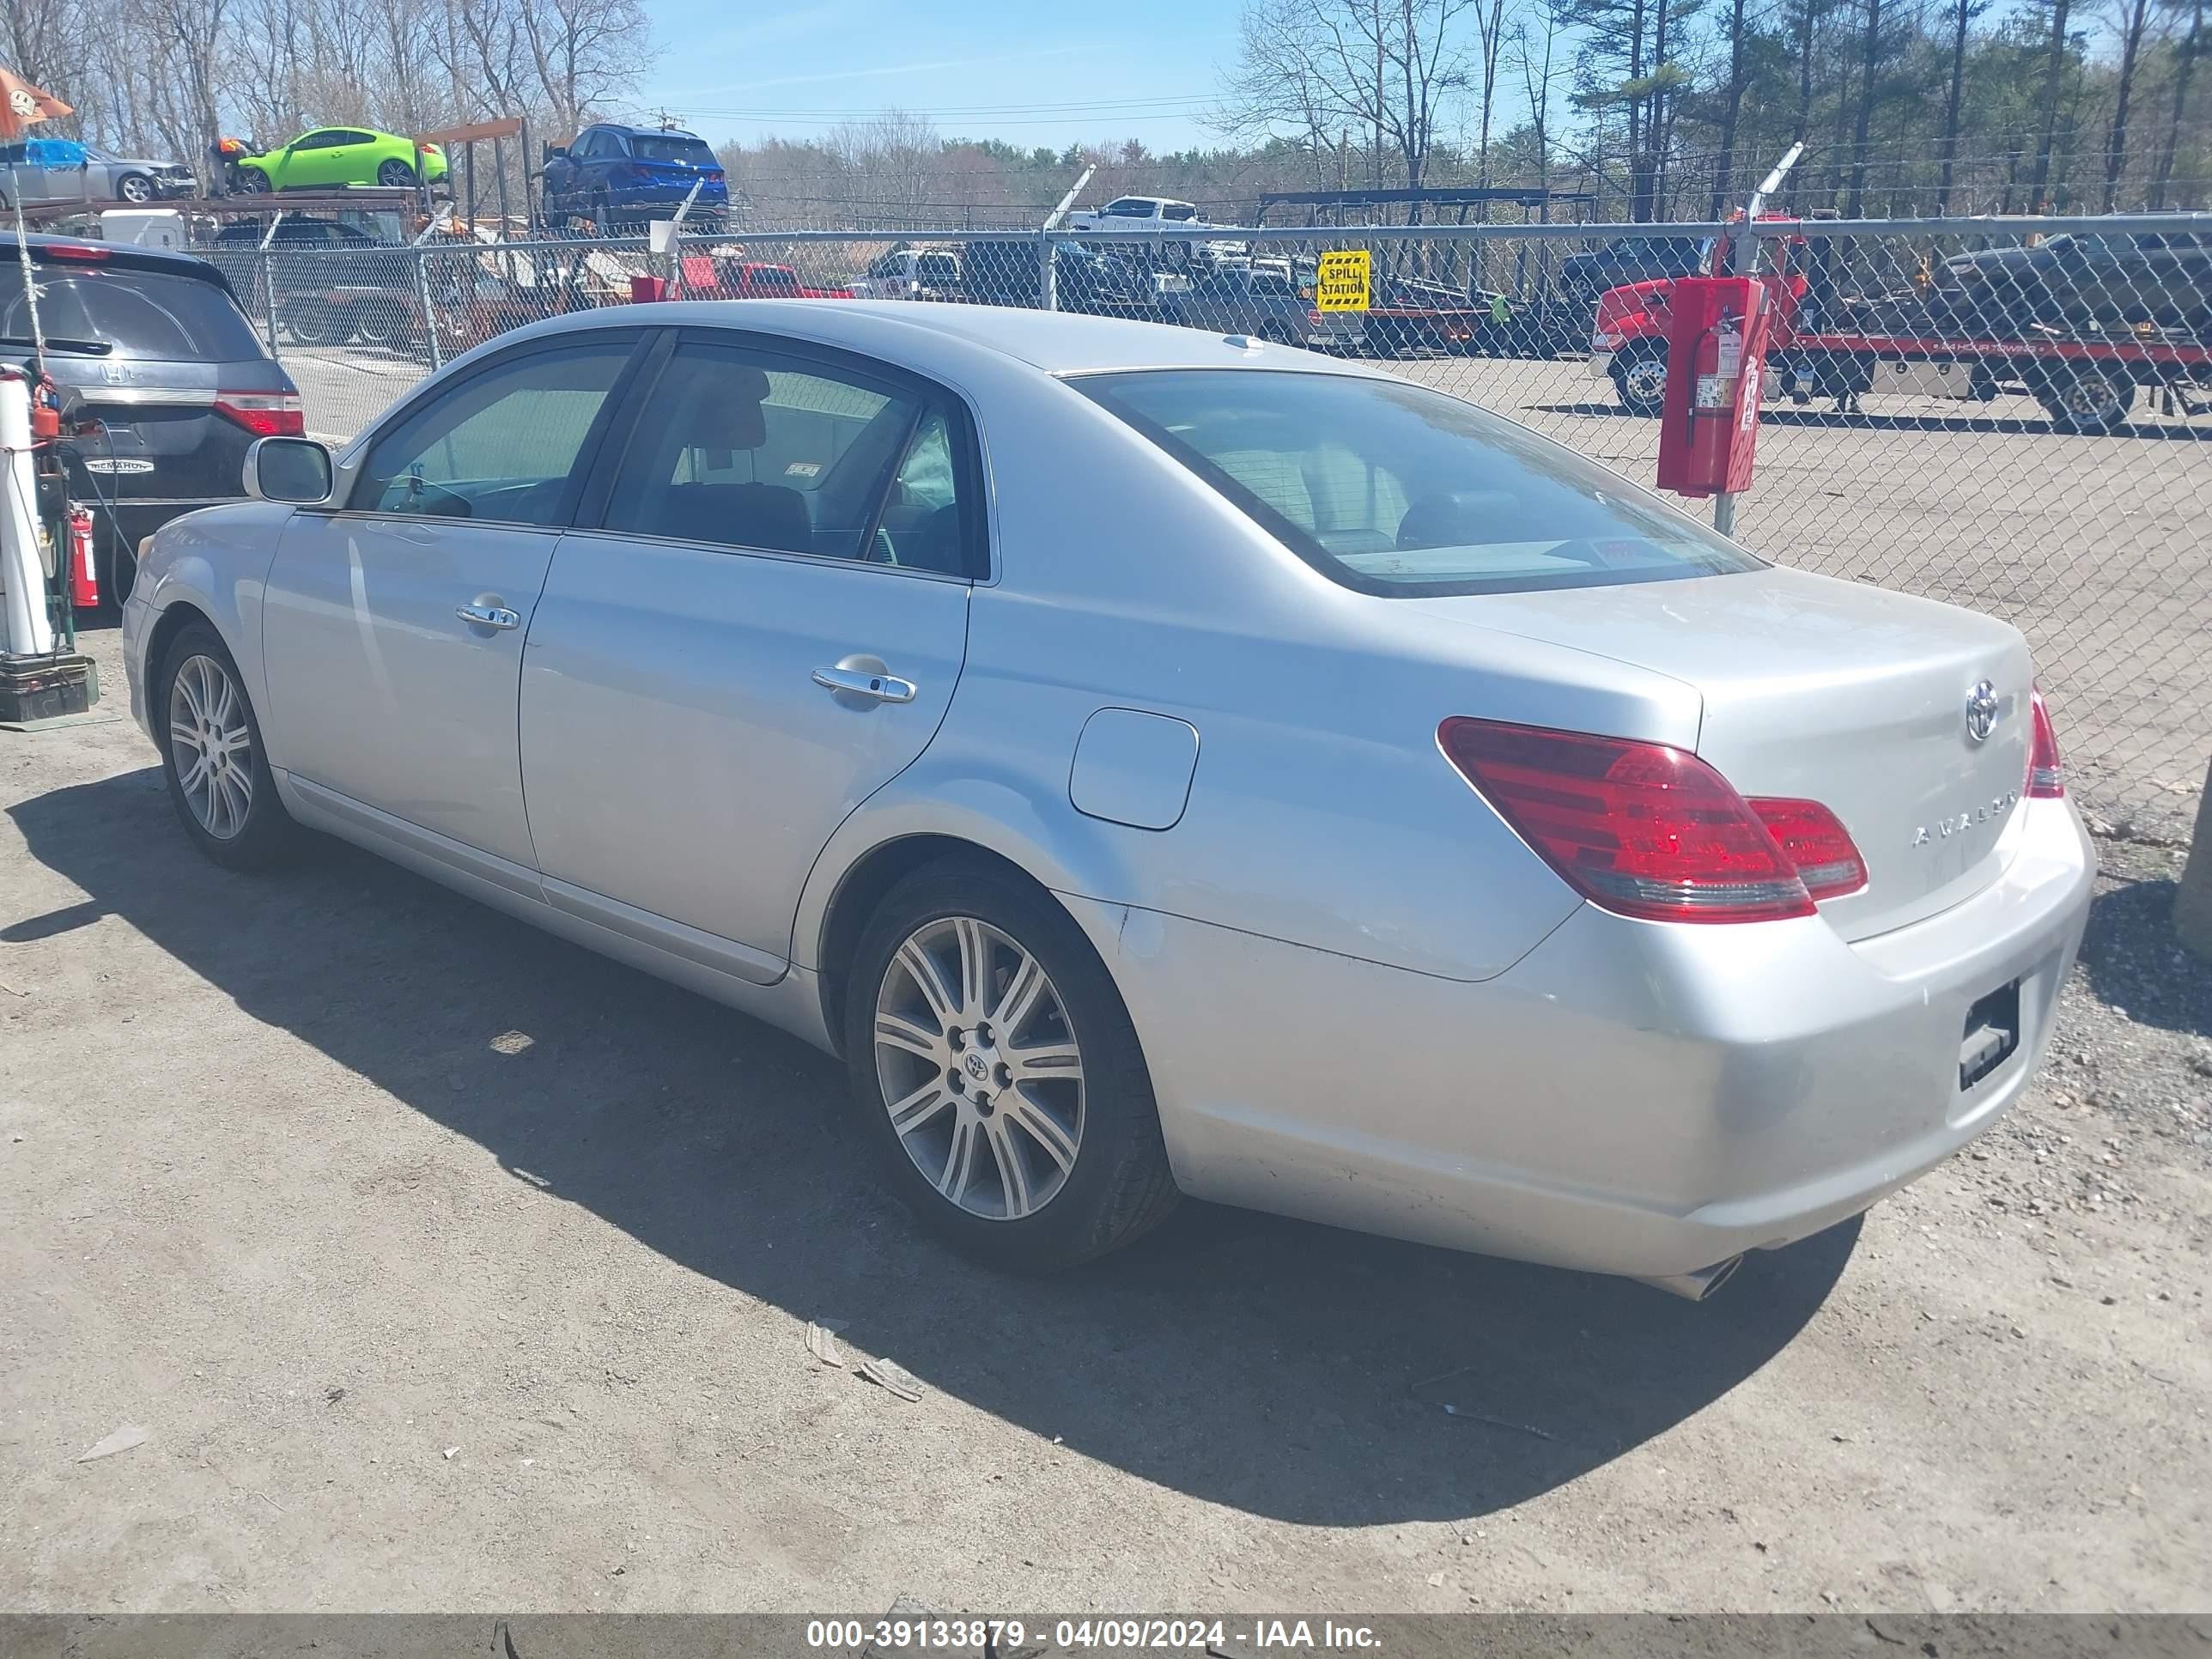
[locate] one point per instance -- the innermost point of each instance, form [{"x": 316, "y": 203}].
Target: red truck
[
  {"x": 1933, "y": 344},
  {"x": 710, "y": 276}
]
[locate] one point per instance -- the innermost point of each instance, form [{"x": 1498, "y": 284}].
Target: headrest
[
  {"x": 730, "y": 407},
  {"x": 1454, "y": 518}
]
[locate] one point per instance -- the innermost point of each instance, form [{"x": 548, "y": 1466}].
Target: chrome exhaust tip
[{"x": 1695, "y": 1286}]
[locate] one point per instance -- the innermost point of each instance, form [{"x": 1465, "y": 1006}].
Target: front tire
[
  {"x": 1640, "y": 377},
  {"x": 396, "y": 174},
  {"x": 134, "y": 188},
  {"x": 213, "y": 757},
  {"x": 999, "y": 1075}
]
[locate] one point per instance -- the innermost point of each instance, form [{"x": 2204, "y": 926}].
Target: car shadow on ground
[
  {"x": 2162, "y": 985},
  {"x": 1278, "y": 1368},
  {"x": 1854, "y": 421}
]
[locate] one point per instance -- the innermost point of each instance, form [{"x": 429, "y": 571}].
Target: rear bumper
[
  {"x": 667, "y": 196},
  {"x": 1628, "y": 1097}
]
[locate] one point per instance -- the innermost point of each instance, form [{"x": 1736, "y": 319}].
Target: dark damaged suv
[{"x": 153, "y": 346}]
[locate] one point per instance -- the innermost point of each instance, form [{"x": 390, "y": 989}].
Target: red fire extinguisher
[
  {"x": 46, "y": 411},
  {"x": 83, "y": 577}
]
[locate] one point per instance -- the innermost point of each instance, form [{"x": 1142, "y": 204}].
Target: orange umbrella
[{"x": 21, "y": 104}]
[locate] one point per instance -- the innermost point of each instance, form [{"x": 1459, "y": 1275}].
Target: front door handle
[
  {"x": 488, "y": 616},
  {"x": 859, "y": 683}
]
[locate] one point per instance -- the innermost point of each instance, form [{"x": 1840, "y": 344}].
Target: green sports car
[{"x": 331, "y": 156}]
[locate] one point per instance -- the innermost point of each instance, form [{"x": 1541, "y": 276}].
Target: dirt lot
[{"x": 446, "y": 1267}]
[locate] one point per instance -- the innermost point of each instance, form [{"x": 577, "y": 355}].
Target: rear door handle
[
  {"x": 488, "y": 616},
  {"x": 883, "y": 688}
]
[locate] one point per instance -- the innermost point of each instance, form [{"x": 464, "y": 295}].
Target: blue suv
[{"x": 613, "y": 174}]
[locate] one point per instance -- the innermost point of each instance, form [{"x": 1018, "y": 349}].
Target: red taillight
[
  {"x": 1816, "y": 844},
  {"x": 1640, "y": 829},
  {"x": 2045, "y": 779},
  {"x": 81, "y": 252},
  {"x": 265, "y": 414}
]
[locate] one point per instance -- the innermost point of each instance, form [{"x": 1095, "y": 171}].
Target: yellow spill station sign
[{"x": 1343, "y": 284}]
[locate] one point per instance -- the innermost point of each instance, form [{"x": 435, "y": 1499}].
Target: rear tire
[
  {"x": 1040, "y": 1135},
  {"x": 212, "y": 756},
  {"x": 387, "y": 322},
  {"x": 316, "y": 323},
  {"x": 2085, "y": 399},
  {"x": 396, "y": 174}
]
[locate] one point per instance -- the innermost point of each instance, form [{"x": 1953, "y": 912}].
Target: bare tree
[
  {"x": 1489, "y": 32},
  {"x": 1869, "y": 82},
  {"x": 2135, "y": 16},
  {"x": 2054, "y": 66},
  {"x": 1962, "y": 15},
  {"x": 1393, "y": 68},
  {"x": 2187, "y": 50},
  {"x": 1536, "y": 51},
  {"x": 1739, "y": 80}
]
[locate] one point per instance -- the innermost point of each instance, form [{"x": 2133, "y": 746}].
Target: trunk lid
[{"x": 1852, "y": 696}]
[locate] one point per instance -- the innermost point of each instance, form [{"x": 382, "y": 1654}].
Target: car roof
[
  {"x": 921, "y": 335},
  {"x": 644, "y": 132}
]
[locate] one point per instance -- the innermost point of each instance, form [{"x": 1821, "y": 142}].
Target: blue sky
[{"x": 1030, "y": 74}]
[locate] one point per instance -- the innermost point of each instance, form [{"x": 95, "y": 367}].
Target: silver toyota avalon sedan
[{"x": 1158, "y": 762}]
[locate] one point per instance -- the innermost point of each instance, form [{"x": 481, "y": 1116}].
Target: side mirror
[
  {"x": 293, "y": 470},
  {"x": 553, "y": 151}
]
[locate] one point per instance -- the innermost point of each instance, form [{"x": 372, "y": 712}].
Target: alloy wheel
[
  {"x": 1644, "y": 382},
  {"x": 212, "y": 746},
  {"x": 980, "y": 1068}
]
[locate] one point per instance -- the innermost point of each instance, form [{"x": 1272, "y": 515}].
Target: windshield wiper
[{"x": 83, "y": 347}]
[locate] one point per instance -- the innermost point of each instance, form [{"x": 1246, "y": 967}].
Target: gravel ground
[{"x": 444, "y": 1266}]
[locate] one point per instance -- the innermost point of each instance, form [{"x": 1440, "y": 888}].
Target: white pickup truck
[{"x": 1137, "y": 213}]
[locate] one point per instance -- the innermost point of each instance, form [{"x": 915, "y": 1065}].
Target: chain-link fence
[{"x": 2012, "y": 415}]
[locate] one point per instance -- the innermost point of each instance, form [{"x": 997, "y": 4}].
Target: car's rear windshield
[
  {"x": 661, "y": 147},
  {"x": 1394, "y": 489},
  {"x": 139, "y": 314}
]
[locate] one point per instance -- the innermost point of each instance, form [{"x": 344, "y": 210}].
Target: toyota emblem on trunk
[{"x": 1981, "y": 710}]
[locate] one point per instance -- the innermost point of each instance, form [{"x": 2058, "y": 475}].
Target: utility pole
[{"x": 2192, "y": 904}]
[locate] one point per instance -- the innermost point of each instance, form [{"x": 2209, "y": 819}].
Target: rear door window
[
  {"x": 140, "y": 315},
  {"x": 1396, "y": 491},
  {"x": 743, "y": 448},
  {"x": 666, "y": 147}
]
